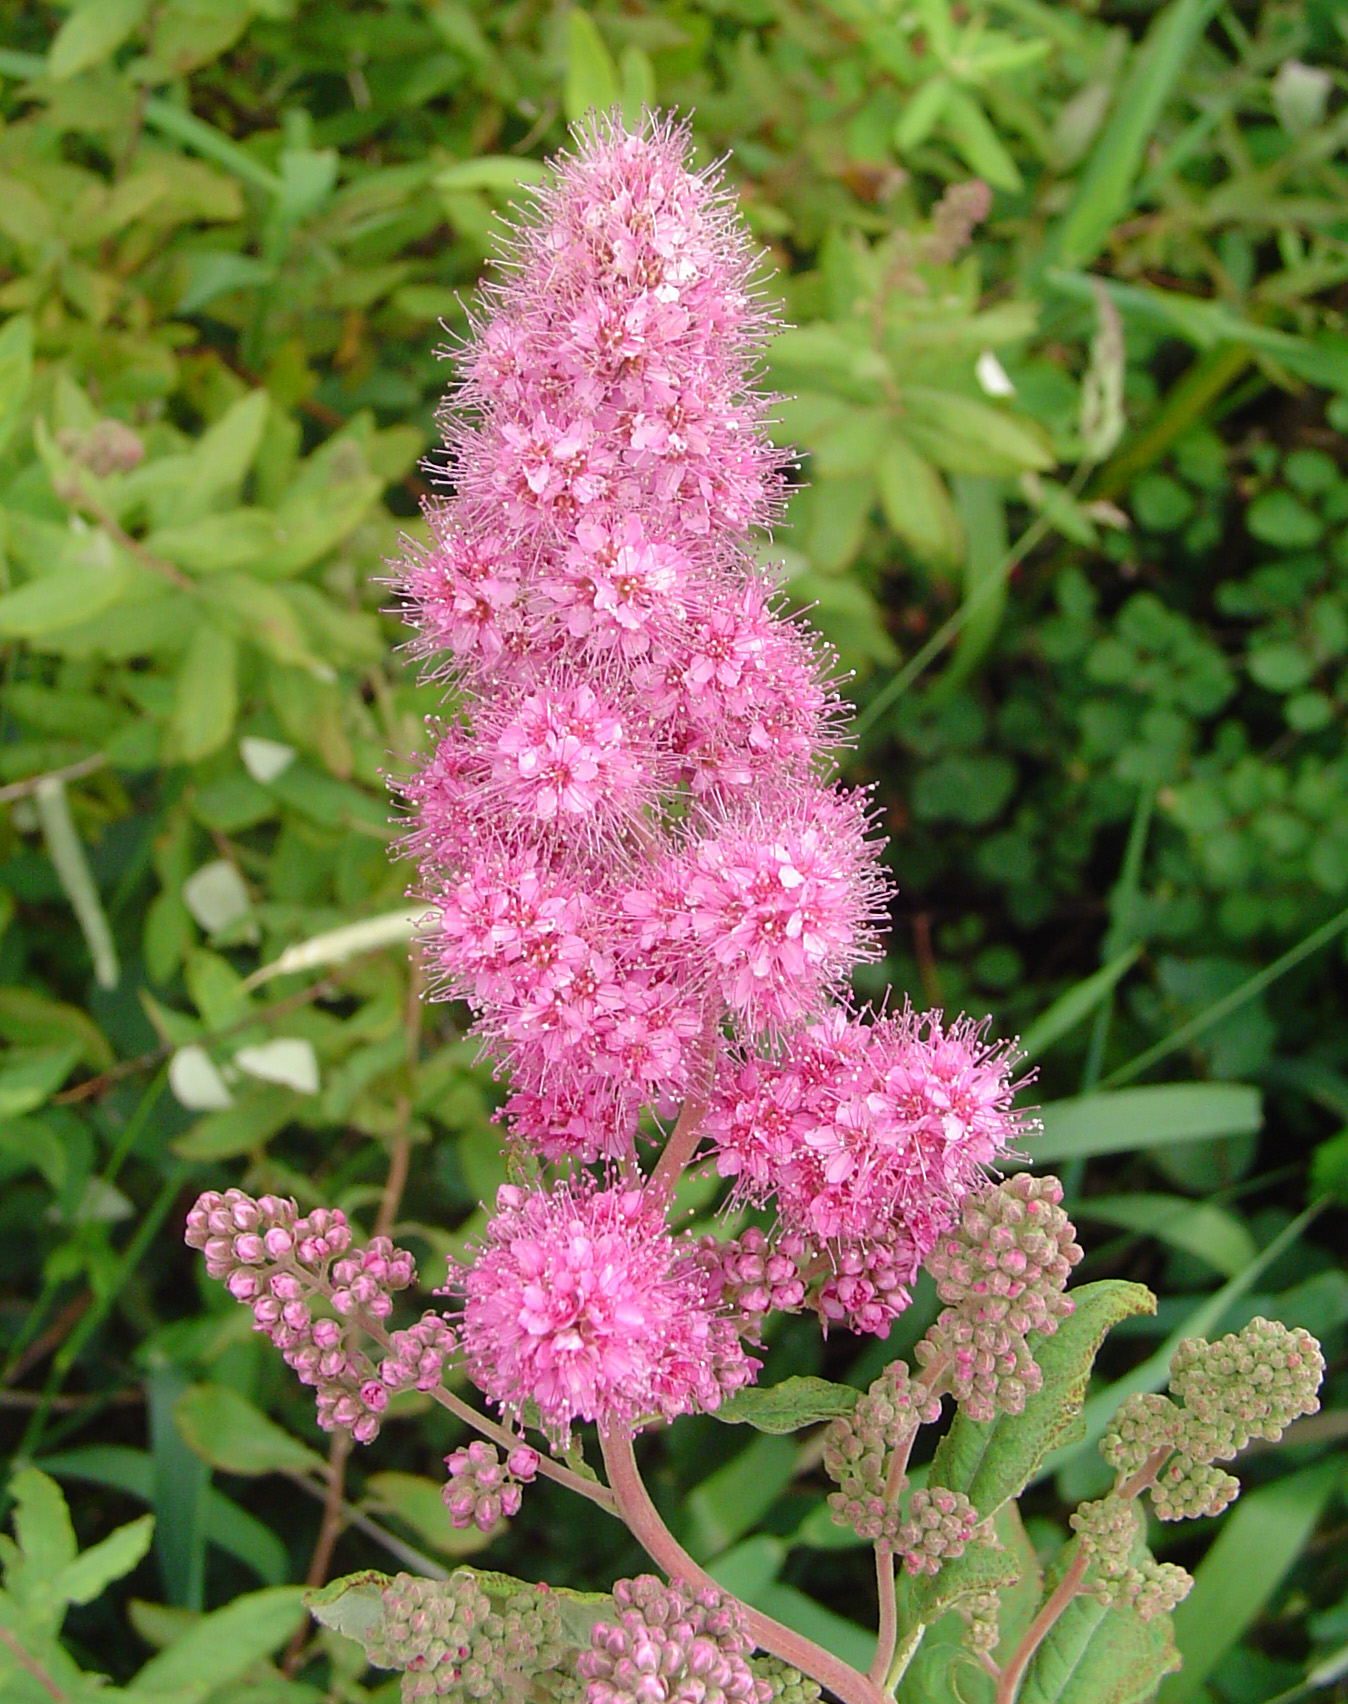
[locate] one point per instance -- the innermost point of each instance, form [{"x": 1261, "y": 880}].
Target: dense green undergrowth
[{"x": 1073, "y": 508}]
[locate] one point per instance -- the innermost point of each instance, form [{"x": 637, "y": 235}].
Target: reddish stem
[
  {"x": 643, "y": 1519},
  {"x": 687, "y": 1131},
  {"x": 1068, "y": 1587}
]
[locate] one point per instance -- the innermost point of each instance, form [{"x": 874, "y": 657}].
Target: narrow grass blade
[{"x": 1104, "y": 192}]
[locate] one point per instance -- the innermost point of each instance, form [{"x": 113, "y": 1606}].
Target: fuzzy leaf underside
[{"x": 788, "y": 1406}]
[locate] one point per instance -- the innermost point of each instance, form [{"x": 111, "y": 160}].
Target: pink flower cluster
[
  {"x": 582, "y": 1300},
  {"x": 642, "y": 878},
  {"x": 867, "y": 1136},
  {"x": 623, "y": 830},
  {"x": 279, "y": 1264}
]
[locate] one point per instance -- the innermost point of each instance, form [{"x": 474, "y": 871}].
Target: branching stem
[
  {"x": 1068, "y": 1587},
  {"x": 643, "y": 1519}
]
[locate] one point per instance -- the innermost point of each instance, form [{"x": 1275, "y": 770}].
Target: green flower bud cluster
[
  {"x": 1249, "y": 1384},
  {"x": 1186, "y": 1488},
  {"x": 857, "y": 1448},
  {"x": 936, "y": 1529},
  {"x": 1146, "y": 1422},
  {"x": 1252, "y": 1383},
  {"x": 1110, "y": 1531},
  {"x": 789, "y": 1686},
  {"x": 429, "y": 1629},
  {"x": 982, "y": 1615},
  {"x": 1001, "y": 1272},
  {"x": 450, "y": 1643}
]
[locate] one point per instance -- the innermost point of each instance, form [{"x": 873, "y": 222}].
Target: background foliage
[{"x": 1073, "y": 507}]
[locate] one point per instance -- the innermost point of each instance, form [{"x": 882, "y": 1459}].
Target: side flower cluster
[
  {"x": 1249, "y": 1384},
  {"x": 450, "y": 1642},
  {"x": 481, "y": 1489},
  {"x": 315, "y": 1294},
  {"x": 1002, "y": 1272},
  {"x": 671, "y": 1645}
]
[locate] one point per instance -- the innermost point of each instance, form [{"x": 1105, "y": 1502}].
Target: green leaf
[
  {"x": 242, "y": 1535},
  {"x": 1077, "y": 1004},
  {"x": 1259, "y": 1542},
  {"x": 226, "y": 1430},
  {"x": 992, "y": 1460},
  {"x": 591, "y": 76},
  {"x": 246, "y": 1126},
  {"x": 921, "y": 114},
  {"x": 93, "y": 31},
  {"x": 924, "y": 1598},
  {"x": 499, "y": 173},
  {"x": 352, "y": 1606},
  {"x": 233, "y": 540},
  {"x": 43, "y": 1530},
  {"x": 94, "y": 1569},
  {"x": 734, "y": 1498},
  {"x": 31, "y": 1075},
  {"x": 418, "y": 1501},
  {"x": 207, "y": 695},
  {"x": 219, "y": 272},
  {"x": 1202, "y": 1228},
  {"x": 974, "y": 136},
  {"x": 917, "y": 504},
  {"x": 1120, "y": 1121},
  {"x": 963, "y": 435},
  {"x": 1095, "y": 1655},
  {"x": 221, "y": 1647},
  {"x": 64, "y": 598},
  {"x": 637, "y": 76},
  {"x": 786, "y": 1407},
  {"x": 1104, "y": 190},
  {"x": 16, "y": 374}
]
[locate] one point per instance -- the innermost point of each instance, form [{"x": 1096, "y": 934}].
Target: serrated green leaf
[
  {"x": 226, "y": 1430},
  {"x": 924, "y": 1598},
  {"x": 992, "y": 1460},
  {"x": 786, "y": 1407},
  {"x": 46, "y": 1538},
  {"x": 94, "y": 1569}
]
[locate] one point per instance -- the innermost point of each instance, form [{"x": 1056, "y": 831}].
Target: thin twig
[
  {"x": 329, "y": 1531},
  {"x": 68, "y": 772},
  {"x": 150, "y": 1061},
  {"x": 406, "y": 1553}
]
